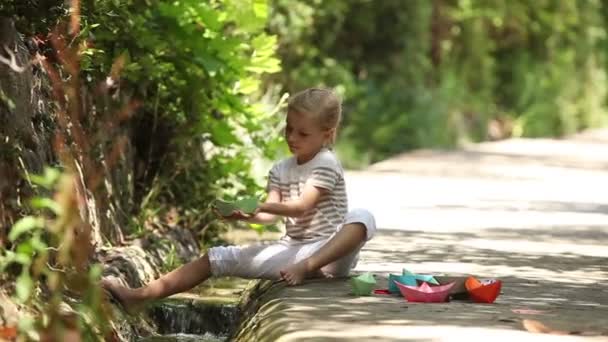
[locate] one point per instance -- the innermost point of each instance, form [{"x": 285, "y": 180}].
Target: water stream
[{"x": 208, "y": 313}]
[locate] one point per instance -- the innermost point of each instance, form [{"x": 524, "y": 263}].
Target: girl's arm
[
  {"x": 274, "y": 196},
  {"x": 294, "y": 208}
]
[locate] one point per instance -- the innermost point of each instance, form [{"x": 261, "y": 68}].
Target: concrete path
[{"x": 533, "y": 213}]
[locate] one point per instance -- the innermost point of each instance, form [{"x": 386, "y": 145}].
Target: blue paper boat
[
  {"x": 421, "y": 277},
  {"x": 403, "y": 279}
]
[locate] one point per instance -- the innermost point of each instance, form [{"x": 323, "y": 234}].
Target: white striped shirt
[{"x": 323, "y": 171}]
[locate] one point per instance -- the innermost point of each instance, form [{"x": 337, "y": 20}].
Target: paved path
[{"x": 533, "y": 213}]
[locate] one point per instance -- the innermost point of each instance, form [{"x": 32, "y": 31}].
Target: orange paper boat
[
  {"x": 483, "y": 292},
  {"x": 425, "y": 293}
]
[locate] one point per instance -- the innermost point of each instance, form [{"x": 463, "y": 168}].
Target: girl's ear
[{"x": 330, "y": 136}]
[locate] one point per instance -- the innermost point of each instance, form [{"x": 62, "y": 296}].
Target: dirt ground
[{"x": 532, "y": 213}]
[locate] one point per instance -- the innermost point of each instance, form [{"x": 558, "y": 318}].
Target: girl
[{"x": 322, "y": 238}]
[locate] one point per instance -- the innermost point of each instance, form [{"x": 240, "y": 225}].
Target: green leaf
[
  {"x": 26, "y": 324},
  {"x": 259, "y": 228},
  {"x": 48, "y": 179},
  {"x": 37, "y": 242},
  {"x": 6, "y": 259},
  {"x": 260, "y": 8},
  {"x": 222, "y": 134},
  {"x": 209, "y": 18},
  {"x": 95, "y": 273},
  {"x": 248, "y": 85},
  {"x": 24, "y": 225},
  {"x": 12, "y": 257},
  {"x": 25, "y": 248},
  {"x": 209, "y": 63},
  {"x": 264, "y": 44},
  {"x": 9, "y": 103},
  {"x": 264, "y": 48},
  {"x": 248, "y": 16},
  {"x": 261, "y": 66},
  {"x": 24, "y": 286},
  {"x": 23, "y": 259},
  {"x": 46, "y": 203}
]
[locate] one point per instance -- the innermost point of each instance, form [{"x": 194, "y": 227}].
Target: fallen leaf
[
  {"x": 538, "y": 327},
  {"x": 8, "y": 332}
]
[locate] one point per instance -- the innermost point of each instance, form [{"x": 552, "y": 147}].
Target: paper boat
[
  {"x": 226, "y": 208},
  {"x": 363, "y": 285},
  {"x": 409, "y": 280},
  {"x": 421, "y": 277},
  {"x": 458, "y": 291},
  {"x": 425, "y": 293},
  {"x": 483, "y": 291}
]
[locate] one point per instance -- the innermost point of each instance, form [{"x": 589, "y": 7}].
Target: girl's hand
[
  {"x": 235, "y": 216},
  {"x": 261, "y": 208},
  {"x": 239, "y": 215}
]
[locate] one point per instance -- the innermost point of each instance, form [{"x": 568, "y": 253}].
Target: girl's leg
[
  {"x": 179, "y": 280},
  {"x": 344, "y": 242}
]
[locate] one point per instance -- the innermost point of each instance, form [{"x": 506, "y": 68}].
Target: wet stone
[{"x": 192, "y": 316}]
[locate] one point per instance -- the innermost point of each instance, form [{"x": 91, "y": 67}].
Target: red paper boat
[
  {"x": 483, "y": 292},
  {"x": 425, "y": 293}
]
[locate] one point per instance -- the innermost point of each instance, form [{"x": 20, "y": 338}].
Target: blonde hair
[{"x": 322, "y": 103}]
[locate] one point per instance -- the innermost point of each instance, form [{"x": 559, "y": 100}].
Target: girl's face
[{"x": 305, "y": 136}]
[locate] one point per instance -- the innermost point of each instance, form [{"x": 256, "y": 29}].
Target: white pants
[{"x": 265, "y": 260}]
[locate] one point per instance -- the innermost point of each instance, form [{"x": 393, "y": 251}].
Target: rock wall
[
  {"x": 27, "y": 133},
  {"x": 26, "y": 125}
]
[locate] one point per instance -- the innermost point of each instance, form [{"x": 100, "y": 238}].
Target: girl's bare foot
[
  {"x": 294, "y": 274},
  {"x": 124, "y": 296}
]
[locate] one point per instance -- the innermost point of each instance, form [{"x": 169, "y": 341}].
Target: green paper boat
[
  {"x": 422, "y": 277},
  {"x": 247, "y": 205},
  {"x": 363, "y": 285}
]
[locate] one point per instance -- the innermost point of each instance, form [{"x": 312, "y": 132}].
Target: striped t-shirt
[{"x": 323, "y": 171}]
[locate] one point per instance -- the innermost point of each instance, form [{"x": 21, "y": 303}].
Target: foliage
[
  {"x": 32, "y": 16},
  {"x": 51, "y": 251},
  {"x": 195, "y": 70},
  {"x": 196, "y": 66},
  {"x": 439, "y": 73}
]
